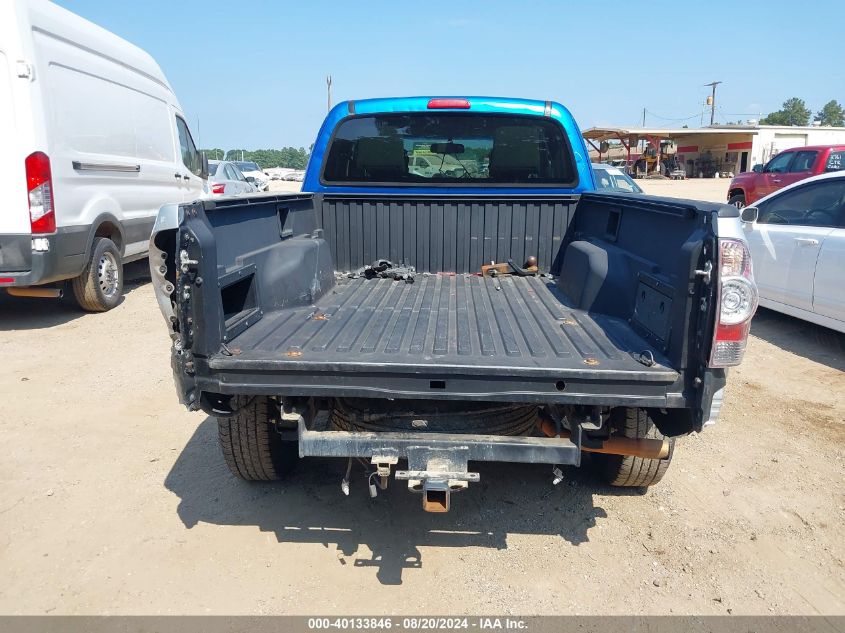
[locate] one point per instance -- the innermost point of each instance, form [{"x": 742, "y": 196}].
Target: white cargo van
[{"x": 94, "y": 142}]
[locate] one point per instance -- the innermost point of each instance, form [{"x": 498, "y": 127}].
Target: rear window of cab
[{"x": 449, "y": 149}]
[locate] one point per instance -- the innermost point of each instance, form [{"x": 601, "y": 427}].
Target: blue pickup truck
[{"x": 447, "y": 289}]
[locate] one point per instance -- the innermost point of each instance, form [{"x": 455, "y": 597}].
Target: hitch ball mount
[{"x": 436, "y": 473}]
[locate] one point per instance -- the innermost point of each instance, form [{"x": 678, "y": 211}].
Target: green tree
[
  {"x": 832, "y": 114},
  {"x": 214, "y": 154},
  {"x": 292, "y": 157},
  {"x": 793, "y": 112}
]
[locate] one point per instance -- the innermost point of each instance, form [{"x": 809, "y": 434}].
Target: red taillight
[
  {"x": 737, "y": 302},
  {"x": 732, "y": 333},
  {"x": 438, "y": 104},
  {"x": 7, "y": 280},
  {"x": 39, "y": 185},
  {"x": 218, "y": 189}
]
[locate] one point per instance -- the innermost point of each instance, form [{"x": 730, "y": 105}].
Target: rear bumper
[
  {"x": 15, "y": 253},
  {"x": 60, "y": 256},
  {"x": 476, "y": 448}
]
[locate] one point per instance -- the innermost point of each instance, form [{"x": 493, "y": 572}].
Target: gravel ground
[{"x": 113, "y": 499}]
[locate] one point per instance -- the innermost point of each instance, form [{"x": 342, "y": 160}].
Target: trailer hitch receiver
[
  {"x": 437, "y": 462},
  {"x": 437, "y": 473}
]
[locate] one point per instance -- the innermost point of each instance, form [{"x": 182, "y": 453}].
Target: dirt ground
[
  {"x": 114, "y": 500},
  {"x": 285, "y": 185},
  {"x": 712, "y": 189}
]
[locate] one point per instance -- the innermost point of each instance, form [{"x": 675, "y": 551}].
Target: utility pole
[
  {"x": 712, "y": 100},
  {"x": 329, "y": 91},
  {"x": 638, "y": 143}
]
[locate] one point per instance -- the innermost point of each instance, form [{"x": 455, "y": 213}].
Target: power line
[
  {"x": 666, "y": 118},
  {"x": 724, "y": 115}
]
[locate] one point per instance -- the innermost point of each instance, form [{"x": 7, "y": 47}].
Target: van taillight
[
  {"x": 39, "y": 185},
  {"x": 737, "y": 303}
]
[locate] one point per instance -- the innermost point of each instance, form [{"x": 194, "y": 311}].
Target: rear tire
[
  {"x": 252, "y": 448},
  {"x": 737, "y": 201},
  {"x": 100, "y": 286},
  {"x": 624, "y": 471}
]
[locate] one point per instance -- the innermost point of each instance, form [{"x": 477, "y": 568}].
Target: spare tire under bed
[{"x": 419, "y": 416}]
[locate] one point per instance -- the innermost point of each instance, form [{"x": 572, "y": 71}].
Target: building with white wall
[
  {"x": 752, "y": 145},
  {"x": 731, "y": 148}
]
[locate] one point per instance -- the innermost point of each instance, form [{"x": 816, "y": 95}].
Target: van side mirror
[
  {"x": 757, "y": 169},
  {"x": 749, "y": 214},
  {"x": 203, "y": 166}
]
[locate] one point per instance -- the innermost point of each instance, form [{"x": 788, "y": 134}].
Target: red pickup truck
[{"x": 787, "y": 167}]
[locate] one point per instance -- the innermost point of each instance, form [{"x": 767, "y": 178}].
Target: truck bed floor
[{"x": 448, "y": 324}]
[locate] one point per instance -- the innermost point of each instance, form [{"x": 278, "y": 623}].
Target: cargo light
[
  {"x": 455, "y": 104},
  {"x": 39, "y": 185},
  {"x": 737, "y": 303}
]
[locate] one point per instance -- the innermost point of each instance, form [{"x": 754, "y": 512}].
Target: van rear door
[
  {"x": 192, "y": 186},
  {"x": 15, "y": 241}
]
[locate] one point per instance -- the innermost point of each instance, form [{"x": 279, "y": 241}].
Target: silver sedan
[{"x": 225, "y": 179}]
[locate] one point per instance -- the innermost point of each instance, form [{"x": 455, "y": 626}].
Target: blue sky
[{"x": 253, "y": 73}]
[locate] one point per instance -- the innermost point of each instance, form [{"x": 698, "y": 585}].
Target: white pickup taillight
[
  {"x": 39, "y": 185},
  {"x": 737, "y": 303}
]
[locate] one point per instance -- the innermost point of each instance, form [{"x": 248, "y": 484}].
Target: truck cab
[{"x": 363, "y": 133}]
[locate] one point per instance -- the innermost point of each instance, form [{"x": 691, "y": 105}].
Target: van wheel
[
  {"x": 620, "y": 470},
  {"x": 738, "y": 201},
  {"x": 100, "y": 286},
  {"x": 252, "y": 448}
]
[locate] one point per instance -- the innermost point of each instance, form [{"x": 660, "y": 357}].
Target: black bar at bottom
[{"x": 482, "y": 448}]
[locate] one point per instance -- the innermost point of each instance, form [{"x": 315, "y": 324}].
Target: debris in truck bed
[
  {"x": 385, "y": 269},
  {"x": 466, "y": 321},
  {"x": 509, "y": 268}
]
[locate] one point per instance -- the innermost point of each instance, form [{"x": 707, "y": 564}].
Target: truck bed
[
  {"x": 288, "y": 316},
  {"x": 446, "y": 324}
]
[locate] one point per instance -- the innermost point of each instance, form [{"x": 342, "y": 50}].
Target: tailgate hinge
[{"x": 707, "y": 273}]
